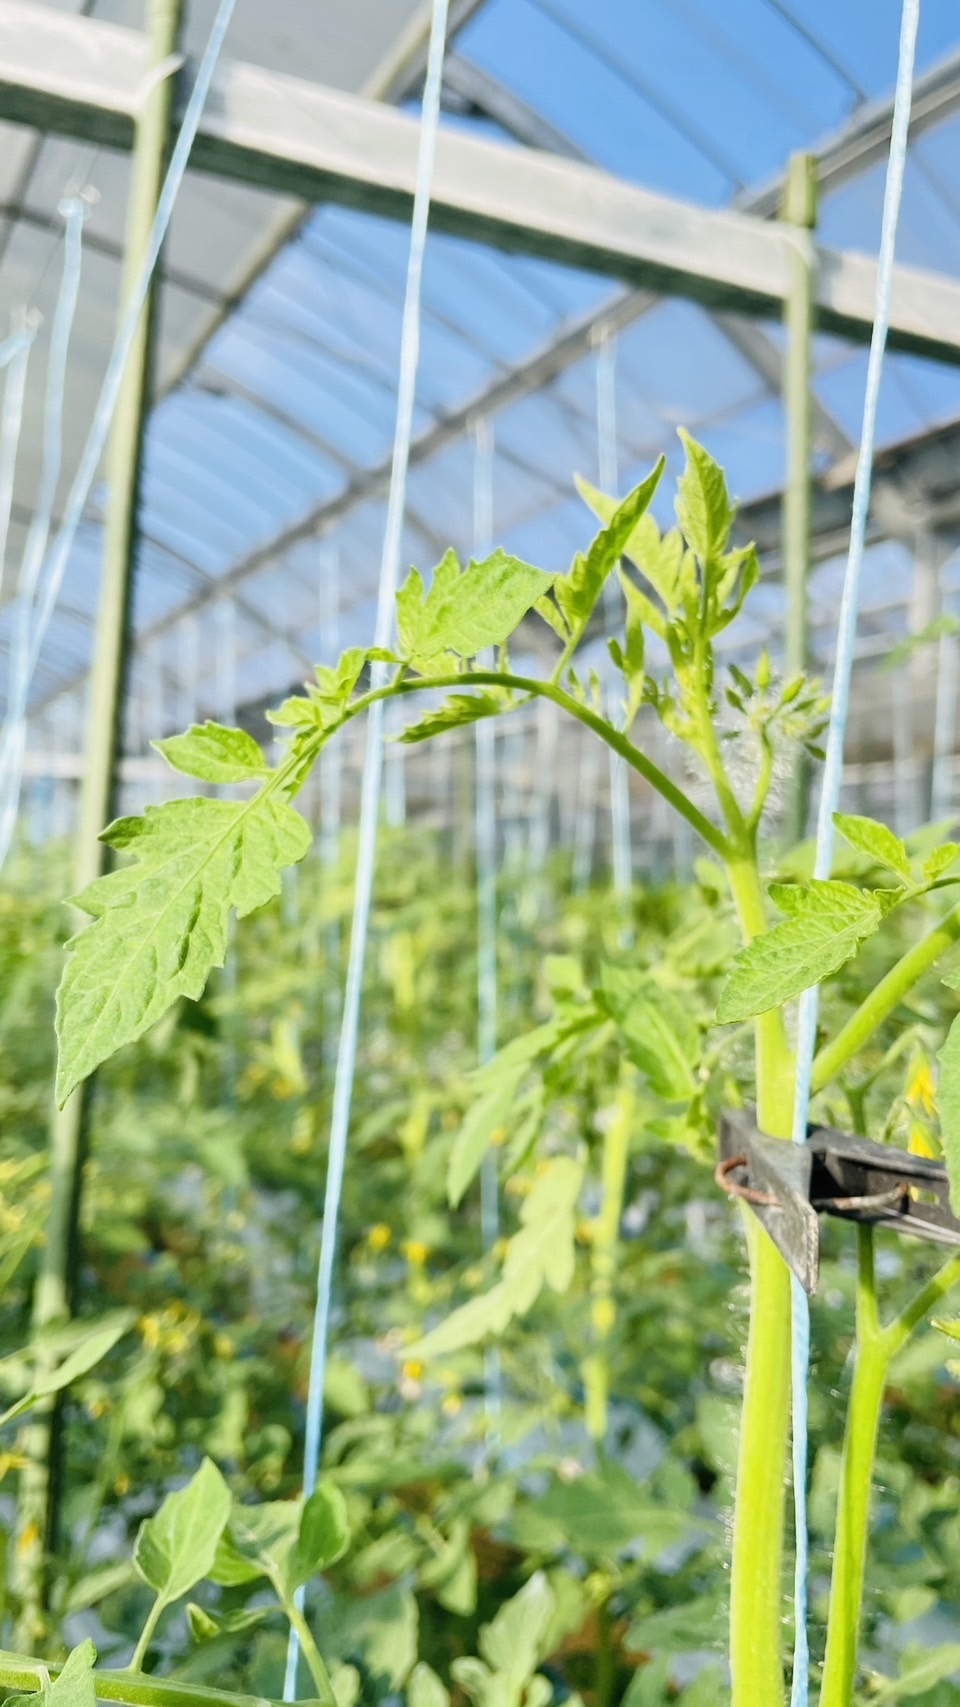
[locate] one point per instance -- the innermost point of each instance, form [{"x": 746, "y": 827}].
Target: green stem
[
  {"x": 614, "y": 738},
  {"x": 309, "y": 1649},
  {"x": 876, "y": 1347},
  {"x": 603, "y": 1261},
  {"x": 882, "y": 1000},
  {"x": 709, "y": 748},
  {"x": 138, "y": 1690},
  {"x": 897, "y": 1332},
  {"x": 756, "y": 1588},
  {"x": 606, "y": 1659},
  {"x": 756, "y": 1594},
  {"x": 764, "y": 779},
  {"x": 146, "y": 1635},
  {"x": 856, "y": 1473}
]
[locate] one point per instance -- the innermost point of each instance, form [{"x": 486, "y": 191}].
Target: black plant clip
[{"x": 789, "y": 1185}]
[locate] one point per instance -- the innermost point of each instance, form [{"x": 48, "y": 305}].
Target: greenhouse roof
[{"x": 269, "y": 442}]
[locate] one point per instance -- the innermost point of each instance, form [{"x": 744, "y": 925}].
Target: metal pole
[
  {"x": 40, "y": 1480},
  {"x": 800, "y": 211}
]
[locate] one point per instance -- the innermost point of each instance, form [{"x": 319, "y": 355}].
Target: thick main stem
[
  {"x": 756, "y": 1593},
  {"x": 856, "y": 1474}
]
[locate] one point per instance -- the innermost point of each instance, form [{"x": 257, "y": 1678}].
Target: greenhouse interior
[{"x": 479, "y": 828}]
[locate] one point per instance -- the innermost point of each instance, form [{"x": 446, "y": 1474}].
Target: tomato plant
[{"x": 634, "y": 1056}]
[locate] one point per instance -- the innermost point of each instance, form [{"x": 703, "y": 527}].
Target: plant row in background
[{"x": 594, "y": 1517}]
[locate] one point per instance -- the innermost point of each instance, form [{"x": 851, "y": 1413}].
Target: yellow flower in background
[
  {"x": 149, "y": 1327},
  {"x": 379, "y": 1236},
  {"x": 920, "y": 1084},
  {"x": 604, "y": 1314},
  {"x": 415, "y": 1252},
  {"x": 919, "y": 1096}
]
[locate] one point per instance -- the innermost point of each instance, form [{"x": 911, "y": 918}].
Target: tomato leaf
[
  {"x": 828, "y": 922},
  {"x": 215, "y": 754},
  {"x": 161, "y": 921},
  {"x": 874, "y": 840},
  {"x": 176, "y": 1548},
  {"x": 465, "y": 611}
]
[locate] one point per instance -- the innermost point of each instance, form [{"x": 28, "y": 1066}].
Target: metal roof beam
[{"x": 81, "y": 77}]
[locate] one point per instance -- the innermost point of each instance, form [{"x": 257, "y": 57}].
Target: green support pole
[
  {"x": 41, "y": 1441},
  {"x": 800, "y": 211}
]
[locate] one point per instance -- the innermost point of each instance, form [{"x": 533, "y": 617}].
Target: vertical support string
[
  {"x": 945, "y": 716},
  {"x": 331, "y": 790},
  {"x": 225, "y": 645},
  {"x": 126, "y": 337},
  {"x": 609, "y": 478},
  {"x": 15, "y": 355},
  {"x": 585, "y": 826},
  {"x": 372, "y": 777},
  {"x": 800, "y": 212},
  {"x": 486, "y": 846},
  {"x": 830, "y": 790},
  {"x": 73, "y": 212}
]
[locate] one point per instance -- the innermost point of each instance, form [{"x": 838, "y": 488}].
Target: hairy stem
[
  {"x": 880, "y": 1003},
  {"x": 756, "y": 1597},
  {"x": 871, "y": 1362},
  {"x": 876, "y": 1347},
  {"x": 590, "y": 719}
]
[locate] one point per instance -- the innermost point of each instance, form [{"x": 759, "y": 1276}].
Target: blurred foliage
[{"x": 202, "y": 1216}]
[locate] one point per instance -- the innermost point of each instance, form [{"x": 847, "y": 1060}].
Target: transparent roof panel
[{"x": 273, "y": 425}]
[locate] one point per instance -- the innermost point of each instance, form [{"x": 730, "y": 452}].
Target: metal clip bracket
[{"x": 788, "y": 1186}]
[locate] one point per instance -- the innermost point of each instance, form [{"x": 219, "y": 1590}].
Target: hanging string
[
  {"x": 331, "y": 789},
  {"x": 93, "y": 450},
  {"x": 486, "y": 844},
  {"x": 225, "y": 652},
  {"x": 73, "y": 212},
  {"x": 395, "y": 784},
  {"x": 945, "y": 716},
  {"x": 372, "y": 775},
  {"x": 15, "y": 355},
  {"x": 585, "y": 827},
  {"x": 609, "y": 475},
  {"x": 831, "y": 786}
]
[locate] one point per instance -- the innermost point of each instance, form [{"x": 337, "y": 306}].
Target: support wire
[
  {"x": 830, "y": 792},
  {"x": 73, "y": 211},
  {"x": 372, "y": 775},
  {"x": 95, "y": 446},
  {"x": 15, "y": 355},
  {"x": 486, "y": 844},
  {"x": 609, "y": 473}
]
